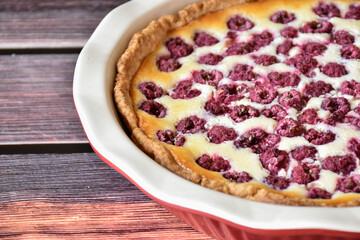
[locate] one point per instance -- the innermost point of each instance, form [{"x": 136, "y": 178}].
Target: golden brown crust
[{"x": 145, "y": 42}]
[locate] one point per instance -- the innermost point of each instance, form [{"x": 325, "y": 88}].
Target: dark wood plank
[
  {"x": 50, "y": 24},
  {"x": 36, "y": 103},
  {"x": 67, "y": 196}
]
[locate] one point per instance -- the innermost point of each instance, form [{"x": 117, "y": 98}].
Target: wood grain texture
[
  {"x": 36, "y": 103},
  {"x": 28, "y": 24}
]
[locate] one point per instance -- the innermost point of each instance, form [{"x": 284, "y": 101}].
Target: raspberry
[
  {"x": 241, "y": 48},
  {"x": 315, "y": 192},
  {"x": 277, "y": 182},
  {"x": 351, "y": 88},
  {"x": 284, "y": 79},
  {"x": 349, "y": 184},
  {"x": 314, "y": 48},
  {"x": 268, "y": 142},
  {"x": 339, "y": 164},
  {"x": 214, "y": 163},
  {"x": 304, "y": 63},
  {"x": 202, "y": 39},
  {"x": 170, "y": 137},
  {"x": 302, "y": 152},
  {"x": 238, "y": 177},
  {"x": 334, "y": 70},
  {"x": 355, "y": 121},
  {"x": 354, "y": 12},
  {"x": 316, "y": 89},
  {"x": 289, "y": 127},
  {"x": 317, "y": 27},
  {"x": 266, "y": 60},
  {"x": 228, "y": 93},
  {"x": 292, "y": 99},
  {"x": 274, "y": 160},
  {"x": 263, "y": 39},
  {"x": 282, "y": 17},
  {"x": 338, "y": 105},
  {"x": 231, "y": 35},
  {"x": 275, "y": 112},
  {"x": 191, "y": 124},
  {"x": 262, "y": 94},
  {"x": 250, "y": 138},
  {"x": 342, "y": 37},
  {"x": 183, "y": 90},
  {"x": 153, "y": 108},
  {"x": 328, "y": 10},
  {"x": 239, "y": 23},
  {"x": 210, "y": 59},
  {"x": 150, "y": 90},
  {"x": 211, "y": 78},
  {"x": 178, "y": 48},
  {"x": 350, "y": 52},
  {"x": 354, "y": 146},
  {"x": 309, "y": 116},
  {"x": 303, "y": 174},
  {"x": 285, "y": 47},
  {"x": 216, "y": 108},
  {"x": 289, "y": 32},
  {"x": 241, "y": 113},
  {"x": 319, "y": 138},
  {"x": 167, "y": 64},
  {"x": 219, "y": 134},
  {"x": 243, "y": 72}
]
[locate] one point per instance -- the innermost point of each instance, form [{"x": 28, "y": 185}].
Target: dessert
[{"x": 259, "y": 99}]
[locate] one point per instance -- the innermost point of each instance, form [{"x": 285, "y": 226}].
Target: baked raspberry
[
  {"x": 289, "y": 127},
  {"x": 241, "y": 48},
  {"x": 314, "y": 48},
  {"x": 183, "y": 90},
  {"x": 216, "y": 108},
  {"x": 285, "y": 47},
  {"x": 277, "y": 182},
  {"x": 316, "y": 192},
  {"x": 211, "y": 78},
  {"x": 328, "y": 10},
  {"x": 316, "y": 89},
  {"x": 304, "y": 63},
  {"x": 275, "y": 112},
  {"x": 317, "y": 27},
  {"x": 289, "y": 32},
  {"x": 268, "y": 142},
  {"x": 355, "y": 121},
  {"x": 178, "y": 48},
  {"x": 191, "y": 124},
  {"x": 350, "y": 52},
  {"x": 167, "y": 64},
  {"x": 274, "y": 160},
  {"x": 338, "y": 105},
  {"x": 319, "y": 138},
  {"x": 238, "y": 177},
  {"x": 334, "y": 70},
  {"x": 202, "y": 39},
  {"x": 354, "y": 146},
  {"x": 302, "y": 152},
  {"x": 284, "y": 79},
  {"x": 153, "y": 108},
  {"x": 170, "y": 137},
  {"x": 303, "y": 174},
  {"x": 282, "y": 17},
  {"x": 342, "y": 37},
  {"x": 262, "y": 94},
  {"x": 243, "y": 72},
  {"x": 354, "y": 12},
  {"x": 241, "y": 113},
  {"x": 265, "y": 60},
  {"x": 250, "y": 138},
  {"x": 228, "y": 93},
  {"x": 351, "y": 88},
  {"x": 339, "y": 164},
  {"x": 210, "y": 59},
  {"x": 349, "y": 184},
  {"x": 219, "y": 134},
  {"x": 309, "y": 116},
  {"x": 292, "y": 99},
  {"x": 239, "y": 23},
  {"x": 263, "y": 39},
  {"x": 150, "y": 90},
  {"x": 214, "y": 163}
]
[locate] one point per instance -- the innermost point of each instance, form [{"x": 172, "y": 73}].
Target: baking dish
[{"x": 217, "y": 214}]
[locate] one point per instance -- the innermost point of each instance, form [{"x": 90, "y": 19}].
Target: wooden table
[{"x": 52, "y": 184}]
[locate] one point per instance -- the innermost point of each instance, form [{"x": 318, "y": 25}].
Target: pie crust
[{"x": 144, "y": 43}]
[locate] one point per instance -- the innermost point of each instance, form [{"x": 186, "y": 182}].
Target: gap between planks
[{"x": 45, "y": 147}]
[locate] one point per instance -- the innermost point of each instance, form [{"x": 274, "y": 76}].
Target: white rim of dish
[{"x": 93, "y": 89}]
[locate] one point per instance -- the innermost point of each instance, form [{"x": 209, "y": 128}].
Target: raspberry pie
[{"x": 258, "y": 99}]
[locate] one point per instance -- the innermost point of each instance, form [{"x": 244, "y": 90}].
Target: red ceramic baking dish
[{"x": 219, "y": 215}]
